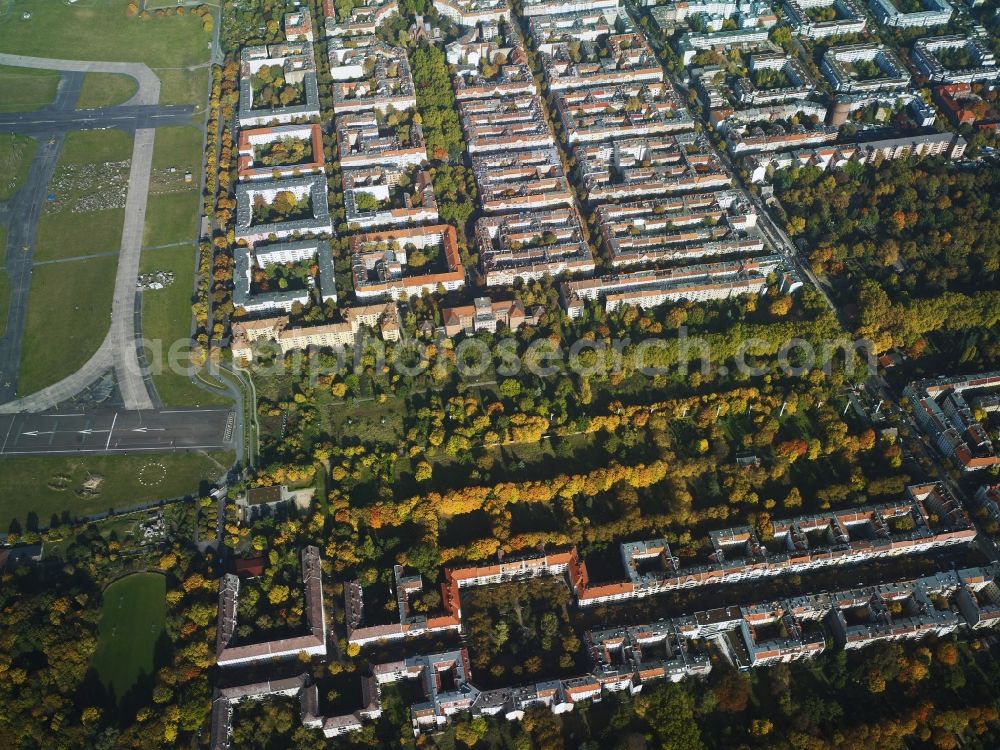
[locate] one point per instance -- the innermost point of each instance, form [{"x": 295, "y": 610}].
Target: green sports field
[{"x": 132, "y": 619}]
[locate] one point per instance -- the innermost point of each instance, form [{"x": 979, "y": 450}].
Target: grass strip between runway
[{"x": 47, "y": 486}]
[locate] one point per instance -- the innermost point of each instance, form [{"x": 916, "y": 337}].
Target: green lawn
[
  {"x": 174, "y": 205},
  {"x": 95, "y": 146},
  {"x": 178, "y": 86},
  {"x": 132, "y": 619},
  {"x": 48, "y": 486},
  {"x": 100, "y": 30},
  {"x": 178, "y": 146},
  {"x": 106, "y": 90},
  {"x": 69, "y": 311},
  {"x": 70, "y": 235},
  {"x": 16, "y": 155},
  {"x": 171, "y": 218},
  {"x": 24, "y": 89},
  {"x": 166, "y": 318}
]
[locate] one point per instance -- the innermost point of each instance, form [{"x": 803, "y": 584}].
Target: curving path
[
  {"x": 149, "y": 83},
  {"x": 119, "y": 349}
]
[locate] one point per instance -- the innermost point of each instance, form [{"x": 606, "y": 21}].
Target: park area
[{"x": 132, "y": 620}]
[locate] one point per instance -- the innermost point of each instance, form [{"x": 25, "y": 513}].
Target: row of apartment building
[
  {"x": 929, "y": 517},
  {"x": 944, "y": 412},
  {"x": 627, "y": 658},
  {"x": 761, "y": 166}
]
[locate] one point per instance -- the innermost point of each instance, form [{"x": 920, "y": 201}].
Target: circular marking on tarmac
[{"x": 152, "y": 474}]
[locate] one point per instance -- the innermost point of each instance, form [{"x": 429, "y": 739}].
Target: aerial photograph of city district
[{"x": 500, "y": 374}]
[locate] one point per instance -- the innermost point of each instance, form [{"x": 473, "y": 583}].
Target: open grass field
[
  {"x": 48, "y": 486},
  {"x": 16, "y": 155},
  {"x": 23, "y": 89},
  {"x": 95, "y": 146},
  {"x": 180, "y": 86},
  {"x": 166, "y": 318},
  {"x": 171, "y": 218},
  {"x": 101, "y": 30},
  {"x": 174, "y": 205},
  {"x": 69, "y": 309},
  {"x": 132, "y": 619},
  {"x": 106, "y": 90},
  {"x": 81, "y": 172},
  {"x": 69, "y": 235},
  {"x": 178, "y": 146}
]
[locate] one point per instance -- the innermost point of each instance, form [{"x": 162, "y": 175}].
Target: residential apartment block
[
  {"x": 446, "y": 682},
  {"x": 928, "y": 517},
  {"x": 504, "y": 123},
  {"x": 934, "y": 13},
  {"x": 409, "y": 624},
  {"x": 364, "y": 139},
  {"x": 225, "y": 699},
  {"x": 472, "y": 12},
  {"x": 485, "y": 314},
  {"x": 230, "y": 654},
  {"x": 712, "y": 14},
  {"x": 521, "y": 180},
  {"x": 625, "y": 110},
  {"x": 489, "y": 61},
  {"x": 387, "y": 196},
  {"x": 298, "y": 69},
  {"x": 747, "y": 39},
  {"x": 626, "y": 658},
  {"x": 585, "y": 26},
  {"x": 805, "y": 16},
  {"x": 762, "y": 136},
  {"x": 370, "y": 76},
  {"x": 298, "y": 26},
  {"x": 268, "y": 153},
  {"x": 277, "y": 331},
  {"x": 247, "y": 293},
  {"x": 679, "y": 228},
  {"x": 979, "y": 597},
  {"x": 963, "y": 107},
  {"x": 255, "y": 223},
  {"x": 631, "y": 168},
  {"x": 762, "y": 165},
  {"x": 532, "y": 244},
  {"x": 648, "y": 289},
  {"x": 792, "y": 80},
  {"x": 942, "y": 409},
  {"x": 934, "y": 144},
  {"x": 384, "y": 264},
  {"x": 629, "y": 60},
  {"x": 364, "y": 18},
  {"x": 895, "y": 611},
  {"x": 558, "y": 7},
  {"x": 864, "y": 68},
  {"x": 928, "y": 53}
]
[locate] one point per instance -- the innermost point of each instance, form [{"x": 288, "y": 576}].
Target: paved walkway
[
  {"x": 149, "y": 84},
  {"x": 119, "y": 347}
]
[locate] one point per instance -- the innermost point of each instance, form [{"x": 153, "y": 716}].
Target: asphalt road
[
  {"x": 116, "y": 432},
  {"x": 21, "y": 214},
  {"x": 49, "y": 120}
]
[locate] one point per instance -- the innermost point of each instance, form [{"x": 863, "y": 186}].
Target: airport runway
[{"x": 116, "y": 432}]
